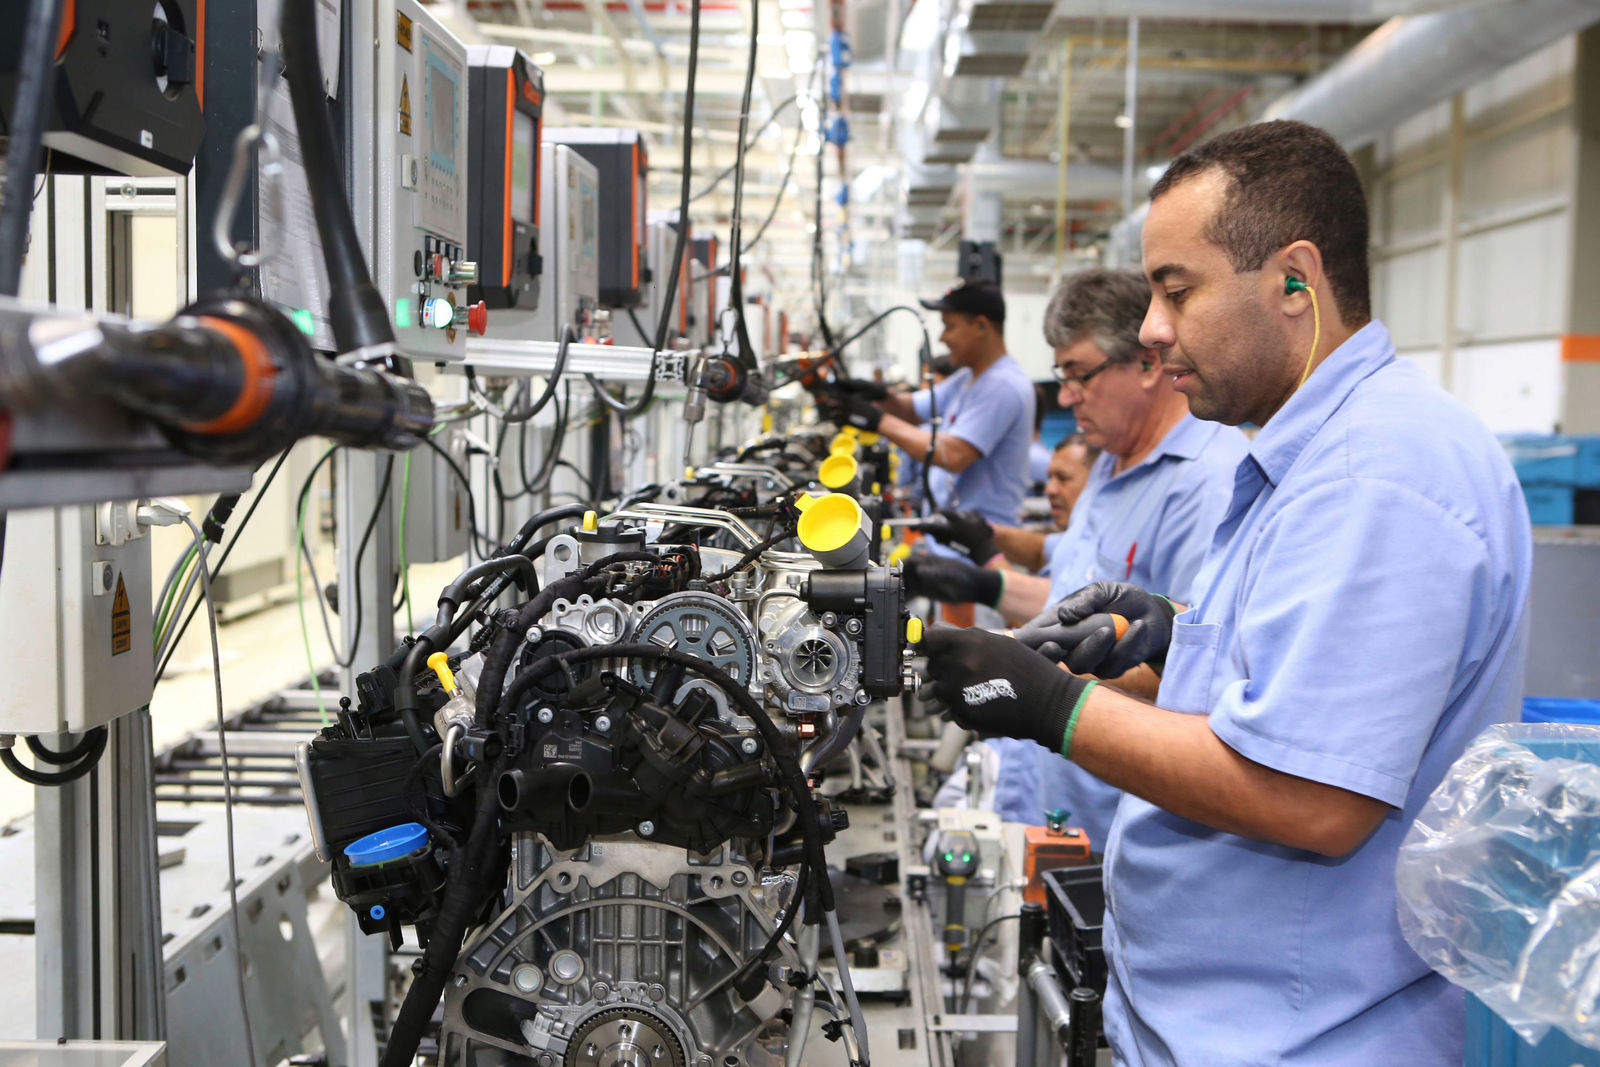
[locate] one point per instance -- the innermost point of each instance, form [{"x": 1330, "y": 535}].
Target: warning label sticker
[
  {"x": 121, "y": 620},
  {"x": 405, "y": 106},
  {"x": 402, "y": 31}
]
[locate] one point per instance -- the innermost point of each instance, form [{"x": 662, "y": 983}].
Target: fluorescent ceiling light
[
  {"x": 796, "y": 20},
  {"x": 544, "y": 59},
  {"x": 1122, "y": 122}
]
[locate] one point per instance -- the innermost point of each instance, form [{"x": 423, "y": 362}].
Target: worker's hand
[
  {"x": 848, "y": 410},
  {"x": 1084, "y": 633},
  {"x": 966, "y": 531},
  {"x": 862, "y": 387},
  {"x": 1001, "y": 688},
  {"x": 951, "y": 581}
]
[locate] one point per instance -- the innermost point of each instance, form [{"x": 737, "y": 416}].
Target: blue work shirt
[
  {"x": 994, "y": 414},
  {"x": 1361, "y": 617},
  {"x": 1149, "y": 525}
]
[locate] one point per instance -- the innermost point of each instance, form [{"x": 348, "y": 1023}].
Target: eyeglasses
[{"x": 1080, "y": 380}]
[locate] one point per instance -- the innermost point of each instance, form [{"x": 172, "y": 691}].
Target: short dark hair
[
  {"x": 1077, "y": 439},
  {"x": 1287, "y": 181},
  {"x": 1107, "y": 306}
]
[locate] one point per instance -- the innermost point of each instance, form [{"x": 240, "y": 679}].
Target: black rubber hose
[
  {"x": 464, "y": 891},
  {"x": 97, "y": 749},
  {"x": 30, "y": 110},
  {"x": 355, "y": 308},
  {"x": 67, "y": 756},
  {"x": 457, "y": 591}
]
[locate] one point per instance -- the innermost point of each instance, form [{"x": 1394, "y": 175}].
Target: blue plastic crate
[
  {"x": 1574, "y": 710},
  {"x": 1550, "y": 505},
  {"x": 1588, "y": 476},
  {"x": 1543, "y": 459},
  {"x": 1491, "y": 1043}
]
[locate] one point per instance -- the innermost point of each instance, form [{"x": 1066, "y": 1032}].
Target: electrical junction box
[
  {"x": 663, "y": 241},
  {"x": 507, "y": 105},
  {"x": 75, "y": 616},
  {"x": 127, "y": 89},
  {"x": 434, "y": 500},
  {"x": 622, "y": 161},
  {"x": 570, "y": 239},
  {"x": 409, "y": 143}
]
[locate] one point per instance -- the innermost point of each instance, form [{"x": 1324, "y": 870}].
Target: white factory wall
[{"x": 1471, "y": 239}]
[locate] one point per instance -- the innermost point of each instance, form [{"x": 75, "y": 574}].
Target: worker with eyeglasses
[{"x": 1146, "y": 513}]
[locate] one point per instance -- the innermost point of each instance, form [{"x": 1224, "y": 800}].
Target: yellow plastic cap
[
  {"x": 868, "y": 437},
  {"x": 830, "y": 523},
  {"x": 851, "y": 432},
  {"x": 591, "y": 521},
  {"x": 766, "y": 422},
  {"x": 886, "y": 532},
  {"x": 804, "y": 501},
  {"x": 688, "y": 473},
  {"x": 913, "y": 630},
  {"x": 842, "y": 448},
  {"x": 837, "y": 471},
  {"x": 877, "y": 488},
  {"x": 899, "y": 553},
  {"x": 440, "y": 663}
]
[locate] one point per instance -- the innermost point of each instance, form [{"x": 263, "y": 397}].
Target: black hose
[
  {"x": 97, "y": 746},
  {"x": 30, "y": 110},
  {"x": 470, "y": 870},
  {"x": 568, "y": 337},
  {"x": 67, "y": 756},
  {"x": 456, "y": 591},
  {"x": 355, "y": 308}
]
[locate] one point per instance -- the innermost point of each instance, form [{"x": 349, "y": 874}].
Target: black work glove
[
  {"x": 1080, "y": 630},
  {"x": 862, "y": 387},
  {"x": 966, "y": 531},
  {"x": 1001, "y": 688},
  {"x": 846, "y": 410},
  {"x": 951, "y": 581}
]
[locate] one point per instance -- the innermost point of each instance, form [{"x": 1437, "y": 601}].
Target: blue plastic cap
[
  {"x": 377, "y": 913},
  {"x": 394, "y": 843}
]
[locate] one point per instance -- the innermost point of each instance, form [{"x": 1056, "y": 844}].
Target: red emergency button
[
  {"x": 438, "y": 267},
  {"x": 478, "y": 317}
]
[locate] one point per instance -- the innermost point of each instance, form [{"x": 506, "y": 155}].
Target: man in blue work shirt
[
  {"x": 1361, "y": 617},
  {"x": 985, "y": 410},
  {"x": 1147, "y": 513}
]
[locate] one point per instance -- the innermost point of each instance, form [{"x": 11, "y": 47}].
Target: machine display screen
[
  {"x": 441, "y": 115},
  {"x": 524, "y": 149}
]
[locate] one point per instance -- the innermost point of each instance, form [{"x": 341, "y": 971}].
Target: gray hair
[{"x": 1106, "y": 306}]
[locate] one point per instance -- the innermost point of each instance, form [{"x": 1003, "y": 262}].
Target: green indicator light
[
  {"x": 949, "y": 857},
  {"x": 966, "y": 857},
  {"x": 402, "y": 313},
  {"x": 306, "y": 322}
]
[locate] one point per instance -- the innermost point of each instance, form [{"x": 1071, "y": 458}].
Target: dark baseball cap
[{"x": 972, "y": 298}]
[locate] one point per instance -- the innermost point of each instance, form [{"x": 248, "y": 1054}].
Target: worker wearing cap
[
  {"x": 1361, "y": 616},
  {"x": 1146, "y": 515},
  {"x": 985, "y": 410}
]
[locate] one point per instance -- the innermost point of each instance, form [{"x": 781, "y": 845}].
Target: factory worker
[
  {"x": 985, "y": 410},
  {"x": 1360, "y": 616},
  {"x": 1146, "y": 514}
]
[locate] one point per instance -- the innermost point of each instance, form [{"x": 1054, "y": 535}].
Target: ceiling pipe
[{"x": 1403, "y": 67}]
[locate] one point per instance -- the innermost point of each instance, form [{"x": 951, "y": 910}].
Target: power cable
[
  {"x": 26, "y": 118},
  {"x": 754, "y": 137},
  {"x": 227, "y": 550},
  {"x": 629, "y": 410},
  {"x": 227, "y": 791}
]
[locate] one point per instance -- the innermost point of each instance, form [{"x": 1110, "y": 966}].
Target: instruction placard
[
  {"x": 402, "y": 31},
  {"x": 405, "y": 106}
]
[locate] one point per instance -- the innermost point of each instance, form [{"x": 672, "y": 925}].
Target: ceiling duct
[{"x": 1403, "y": 67}]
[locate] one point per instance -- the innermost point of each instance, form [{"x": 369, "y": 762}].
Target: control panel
[
  {"x": 622, "y": 161},
  {"x": 663, "y": 241},
  {"x": 570, "y": 239},
  {"x": 507, "y": 104},
  {"x": 419, "y": 168}
]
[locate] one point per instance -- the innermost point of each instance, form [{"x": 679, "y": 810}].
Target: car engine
[{"x": 591, "y": 796}]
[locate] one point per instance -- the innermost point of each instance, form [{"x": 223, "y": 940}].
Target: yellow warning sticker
[
  {"x": 402, "y": 31},
  {"x": 121, "y": 620},
  {"x": 405, "y": 105}
]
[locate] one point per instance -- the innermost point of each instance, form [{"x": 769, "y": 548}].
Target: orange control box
[{"x": 1048, "y": 847}]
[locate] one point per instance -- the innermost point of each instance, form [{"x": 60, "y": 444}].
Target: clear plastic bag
[{"x": 1499, "y": 877}]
